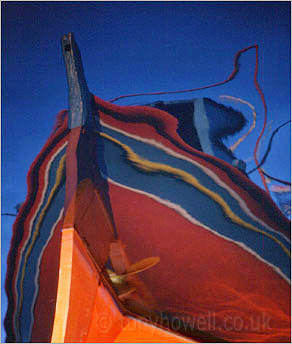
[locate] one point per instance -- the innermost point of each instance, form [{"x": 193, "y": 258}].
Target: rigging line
[
  {"x": 269, "y": 147},
  {"x": 8, "y": 214},
  {"x": 230, "y": 77},
  {"x": 265, "y": 119},
  {"x": 243, "y": 137},
  {"x": 276, "y": 179}
]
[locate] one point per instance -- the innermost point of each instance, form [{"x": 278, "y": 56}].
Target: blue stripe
[
  {"x": 156, "y": 155},
  {"x": 197, "y": 204},
  {"x": 45, "y": 229}
]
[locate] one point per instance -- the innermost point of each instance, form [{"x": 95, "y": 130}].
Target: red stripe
[
  {"x": 24, "y": 228},
  {"x": 169, "y": 123},
  {"x": 199, "y": 272},
  {"x": 44, "y": 309},
  {"x": 33, "y": 166},
  {"x": 71, "y": 166},
  {"x": 41, "y": 175}
]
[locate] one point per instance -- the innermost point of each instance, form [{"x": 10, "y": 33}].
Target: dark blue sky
[{"x": 130, "y": 47}]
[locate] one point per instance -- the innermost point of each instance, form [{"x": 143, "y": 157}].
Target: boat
[{"x": 141, "y": 226}]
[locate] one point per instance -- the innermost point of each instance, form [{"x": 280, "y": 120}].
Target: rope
[
  {"x": 276, "y": 179},
  {"x": 265, "y": 119},
  {"x": 269, "y": 148},
  {"x": 229, "y": 78}
]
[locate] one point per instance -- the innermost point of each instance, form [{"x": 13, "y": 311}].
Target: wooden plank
[{"x": 79, "y": 95}]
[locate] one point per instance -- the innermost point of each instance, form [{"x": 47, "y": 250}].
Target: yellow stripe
[
  {"x": 149, "y": 166},
  {"x": 59, "y": 176}
]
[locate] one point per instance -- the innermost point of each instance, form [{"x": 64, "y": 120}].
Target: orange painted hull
[{"x": 86, "y": 312}]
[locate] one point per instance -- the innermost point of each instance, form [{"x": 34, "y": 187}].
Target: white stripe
[
  {"x": 16, "y": 311},
  {"x": 206, "y": 170},
  {"x": 38, "y": 270},
  {"x": 191, "y": 219}
]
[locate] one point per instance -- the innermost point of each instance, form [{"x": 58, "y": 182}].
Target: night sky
[{"x": 132, "y": 47}]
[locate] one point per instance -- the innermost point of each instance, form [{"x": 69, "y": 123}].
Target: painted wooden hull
[
  {"x": 115, "y": 185},
  {"x": 86, "y": 312}
]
